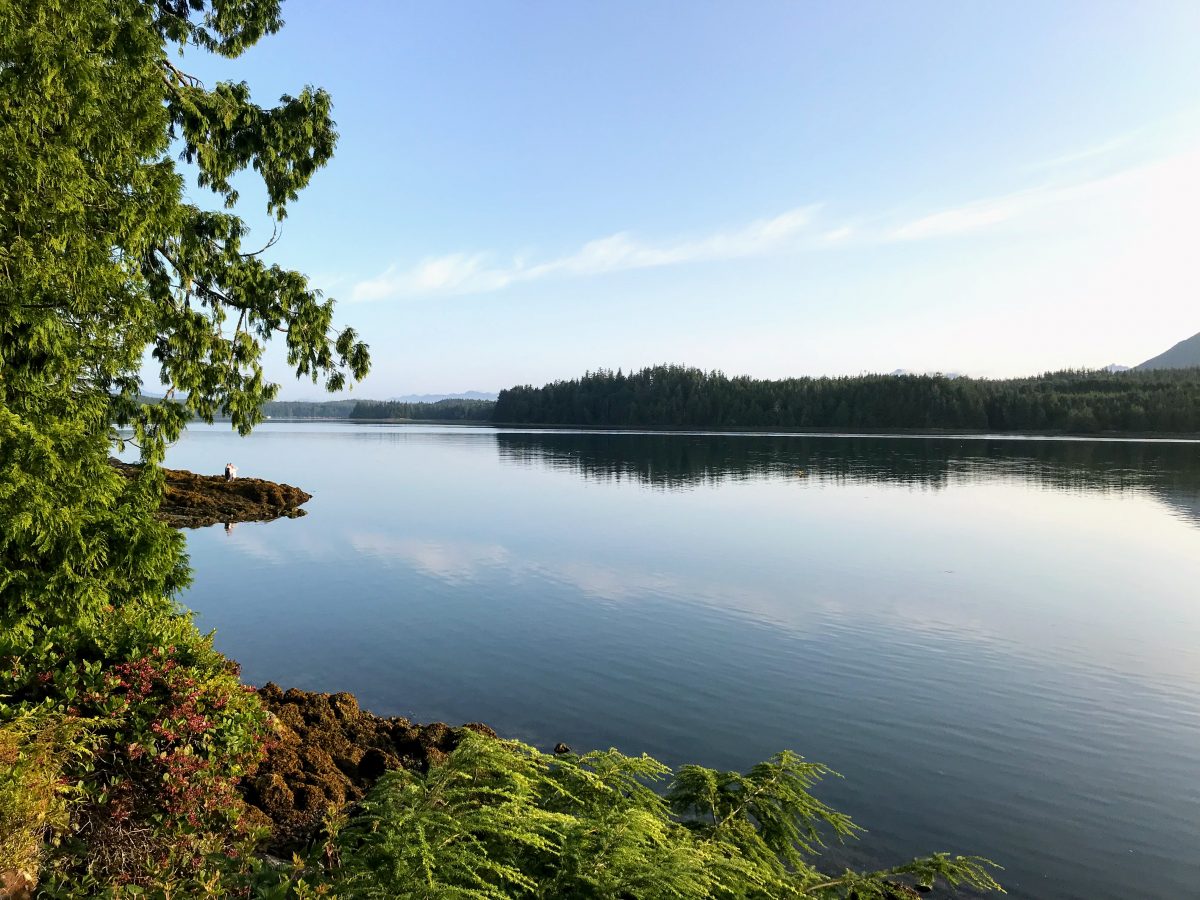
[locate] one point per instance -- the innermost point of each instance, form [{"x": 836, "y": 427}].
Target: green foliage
[
  {"x": 453, "y": 409},
  {"x": 103, "y": 259},
  {"x": 499, "y": 819},
  {"x": 75, "y": 535},
  {"x": 1166, "y": 401},
  {"x": 169, "y": 732}
]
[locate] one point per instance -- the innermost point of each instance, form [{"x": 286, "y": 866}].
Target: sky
[{"x": 524, "y": 191}]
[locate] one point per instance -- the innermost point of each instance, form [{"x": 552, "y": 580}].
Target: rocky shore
[
  {"x": 196, "y": 501},
  {"x": 329, "y": 751},
  {"x": 325, "y": 749}
]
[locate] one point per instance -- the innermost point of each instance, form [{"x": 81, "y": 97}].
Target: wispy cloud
[
  {"x": 471, "y": 273},
  {"x": 1086, "y": 154},
  {"x": 964, "y": 219},
  {"x": 1061, "y": 199},
  {"x": 1070, "y": 179},
  {"x": 1067, "y": 203}
]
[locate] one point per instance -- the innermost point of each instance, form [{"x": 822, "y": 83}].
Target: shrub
[{"x": 170, "y": 732}]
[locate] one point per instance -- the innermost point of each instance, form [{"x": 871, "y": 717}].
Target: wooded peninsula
[{"x": 1161, "y": 401}]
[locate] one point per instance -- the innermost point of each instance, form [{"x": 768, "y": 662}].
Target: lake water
[{"x": 996, "y": 642}]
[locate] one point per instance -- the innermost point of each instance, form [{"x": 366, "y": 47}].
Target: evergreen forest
[
  {"x": 309, "y": 409},
  {"x": 1164, "y": 401},
  {"x": 453, "y": 410}
]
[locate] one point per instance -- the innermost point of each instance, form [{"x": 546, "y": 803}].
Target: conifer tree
[{"x": 103, "y": 260}]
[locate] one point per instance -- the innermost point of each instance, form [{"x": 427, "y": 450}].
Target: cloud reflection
[{"x": 454, "y": 562}]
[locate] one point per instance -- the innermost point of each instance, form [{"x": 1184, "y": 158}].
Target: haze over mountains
[{"x": 1183, "y": 355}]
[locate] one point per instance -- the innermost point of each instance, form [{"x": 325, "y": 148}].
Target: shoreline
[{"x": 962, "y": 433}]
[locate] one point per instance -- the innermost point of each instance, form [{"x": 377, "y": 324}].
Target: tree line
[
  {"x": 456, "y": 410},
  {"x": 309, "y": 409},
  {"x": 668, "y": 396}
]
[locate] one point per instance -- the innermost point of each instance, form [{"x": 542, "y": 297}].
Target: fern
[
  {"x": 499, "y": 819},
  {"x": 461, "y": 830}
]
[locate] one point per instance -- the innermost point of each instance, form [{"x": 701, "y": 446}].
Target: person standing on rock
[{"x": 230, "y": 471}]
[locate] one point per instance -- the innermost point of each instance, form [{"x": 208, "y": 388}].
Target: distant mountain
[
  {"x": 1183, "y": 355},
  {"x": 1115, "y": 367},
  {"x": 434, "y": 398}
]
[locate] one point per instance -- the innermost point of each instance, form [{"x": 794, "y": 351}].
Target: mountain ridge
[{"x": 1184, "y": 355}]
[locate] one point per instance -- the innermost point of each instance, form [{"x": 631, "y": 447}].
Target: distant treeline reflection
[{"x": 680, "y": 461}]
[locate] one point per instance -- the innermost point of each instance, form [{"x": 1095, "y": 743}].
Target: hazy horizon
[{"x": 490, "y": 393}]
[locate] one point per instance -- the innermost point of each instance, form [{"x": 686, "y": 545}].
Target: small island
[{"x": 197, "y": 501}]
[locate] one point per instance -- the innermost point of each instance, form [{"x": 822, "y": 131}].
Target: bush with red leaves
[{"x": 171, "y": 731}]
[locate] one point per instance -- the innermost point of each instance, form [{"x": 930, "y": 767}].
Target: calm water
[{"x": 996, "y": 642}]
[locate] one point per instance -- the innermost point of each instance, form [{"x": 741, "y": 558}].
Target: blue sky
[{"x": 527, "y": 190}]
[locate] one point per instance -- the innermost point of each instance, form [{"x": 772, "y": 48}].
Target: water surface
[{"x": 996, "y": 642}]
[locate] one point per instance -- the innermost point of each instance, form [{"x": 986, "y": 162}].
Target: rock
[
  {"x": 310, "y": 798},
  {"x": 253, "y": 817},
  {"x": 345, "y": 705},
  {"x": 375, "y": 762},
  {"x": 327, "y": 750},
  {"x": 196, "y": 501},
  {"x": 560, "y": 748},
  {"x": 270, "y": 793}
]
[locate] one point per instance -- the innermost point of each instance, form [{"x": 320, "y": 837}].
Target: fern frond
[{"x": 498, "y": 819}]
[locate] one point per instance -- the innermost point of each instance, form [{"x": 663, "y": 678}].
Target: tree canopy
[
  {"x": 452, "y": 409},
  {"x": 106, "y": 262},
  {"x": 1165, "y": 401},
  {"x": 110, "y": 266}
]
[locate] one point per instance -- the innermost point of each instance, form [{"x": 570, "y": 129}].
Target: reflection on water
[
  {"x": 1170, "y": 470},
  {"x": 997, "y": 642}
]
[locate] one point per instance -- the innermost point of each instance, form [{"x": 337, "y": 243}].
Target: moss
[{"x": 327, "y": 751}]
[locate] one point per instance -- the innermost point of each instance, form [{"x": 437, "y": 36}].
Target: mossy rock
[
  {"x": 196, "y": 501},
  {"x": 330, "y": 751}
]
